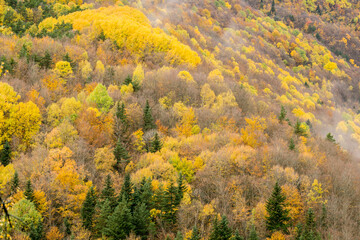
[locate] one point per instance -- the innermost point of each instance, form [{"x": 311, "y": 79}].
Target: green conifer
[
  {"x": 29, "y": 192},
  {"x": 15, "y": 182},
  {"x": 282, "y": 115},
  {"x": 102, "y": 220},
  {"x": 5, "y": 154},
  {"x": 253, "y": 234},
  {"x": 236, "y": 236},
  {"x": 195, "y": 235},
  {"x": 120, "y": 153},
  {"x": 148, "y": 118},
  {"x": 126, "y": 189},
  {"x": 88, "y": 209},
  {"x": 141, "y": 220},
  {"x": 277, "y": 214},
  {"x": 108, "y": 192},
  {"x": 291, "y": 144},
  {"x": 156, "y": 144}
]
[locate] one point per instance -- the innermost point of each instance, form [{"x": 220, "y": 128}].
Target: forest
[{"x": 180, "y": 119}]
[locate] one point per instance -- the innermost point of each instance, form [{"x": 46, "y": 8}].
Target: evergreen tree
[
  {"x": 323, "y": 217},
  {"x": 5, "y": 153},
  {"x": 36, "y": 232},
  {"x": 156, "y": 144},
  {"x": 214, "y": 235},
  {"x": 120, "y": 153},
  {"x": 128, "y": 80},
  {"x": 121, "y": 114},
  {"x": 67, "y": 226},
  {"x": 180, "y": 189},
  {"x": 15, "y": 182},
  {"x": 146, "y": 193},
  {"x": 318, "y": 9},
  {"x": 299, "y": 130},
  {"x": 148, "y": 118},
  {"x": 282, "y": 114},
  {"x": 277, "y": 214},
  {"x": 221, "y": 230},
  {"x": 141, "y": 220},
  {"x": 29, "y": 192},
  {"x": 108, "y": 192},
  {"x": 237, "y": 236},
  {"x": 253, "y": 234},
  {"x": 273, "y": 10},
  {"x": 88, "y": 209},
  {"x": 102, "y": 220},
  {"x": 69, "y": 60},
  {"x": 291, "y": 144},
  {"x": 46, "y": 61},
  {"x": 119, "y": 224},
  {"x": 309, "y": 232},
  {"x": 195, "y": 235},
  {"x": 330, "y": 138},
  {"x": 169, "y": 204},
  {"x": 126, "y": 189}
]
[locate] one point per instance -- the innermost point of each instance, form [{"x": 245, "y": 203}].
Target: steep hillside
[{"x": 179, "y": 119}]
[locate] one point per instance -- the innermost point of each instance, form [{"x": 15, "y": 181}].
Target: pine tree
[
  {"x": 5, "y": 153},
  {"x": 237, "y": 236},
  {"x": 15, "y": 182},
  {"x": 121, "y": 114},
  {"x": 119, "y": 224},
  {"x": 88, "y": 209},
  {"x": 253, "y": 234},
  {"x": 156, "y": 144},
  {"x": 126, "y": 189},
  {"x": 318, "y": 9},
  {"x": 195, "y": 235},
  {"x": 273, "y": 10},
  {"x": 309, "y": 232},
  {"x": 67, "y": 226},
  {"x": 108, "y": 192},
  {"x": 323, "y": 217},
  {"x": 69, "y": 60},
  {"x": 29, "y": 192},
  {"x": 282, "y": 114},
  {"x": 36, "y": 231},
  {"x": 169, "y": 205},
  {"x": 180, "y": 190},
  {"x": 102, "y": 220},
  {"x": 291, "y": 144},
  {"x": 299, "y": 130},
  {"x": 277, "y": 214},
  {"x": 148, "y": 118},
  {"x": 141, "y": 220},
  {"x": 146, "y": 193},
  {"x": 214, "y": 235},
  {"x": 120, "y": 153}
]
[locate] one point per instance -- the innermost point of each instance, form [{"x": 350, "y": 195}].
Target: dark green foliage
[
  {"x": 291, "y": 144},
  {"x": 88, "y": 209},
  {"x": 119, "y": 224},
  {"x": 102, "y": 220},
  {"x": 67, "y": 226},
  {"x": 221, "y": 230},
  {"x": 8, "y": 65},
  {"x": 15, "y": 182},
  {"x": 169, "y": 204},
  {"x": 146, "y": 193},
  {"x": 282, "y": 114},
  {"x": 128, "y": 80},
  {"x": 5, "y": 154},
  {"x": 36, "y": 232},
  {"x": 253, "y": 234},
  {"x": 156, "y": 144},
  {"x": 330, "y": 138},
  {"x": 121, "y": 114},
  {"x": 67, "y": 58},
  {"x": 29, "y": 192},
  {"x": 121, "y": 122},
  {"x": 46, "y": 61},
  {"x": 323, "y": 217},
  {"x": 120, "y": 153},
  {"x": 277, "y": 214},
  {"x": 318, "y": 9},
  {"x": 237, "y": 236},
  {"x": 126, "y": 189},
  {"x": 108, "y": 192},
  {"x": 308, "y": 232},
  {"x": 180, "y": 189},
  {"x": 195, "y": 235},
  {"x": 273, "y": 10},
  {"x": 141, "y": 220},
  {"x": 60, "y": 31},
  {"x": 148, "y": 118}
]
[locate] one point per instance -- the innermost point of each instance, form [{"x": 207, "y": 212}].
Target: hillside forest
[{"x": 179, "y": 120}]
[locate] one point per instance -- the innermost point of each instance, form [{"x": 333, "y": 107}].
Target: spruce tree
[
  {"x": 291, "y": 144},
  {"x": 15, "y": 182},
  {"x": 148, "y": 118},
  {"x": 195, "y": 235},
  {"x": 29, "y": 192},
  {"x": 141, "y": 220},
  {"x": 180, "y": 190},
  {"x": 108, "y": 192},
  {"x": 119, "y": 224},
  {"x": 156, "y": 144},
  {"x": 214, "y": 235},
  {"x": 36, "y": 231},
  {"x": 120, "y": 153},
  {"x": 102, "y": 220},
  {"x": 46, "y": 61},
  {"x": 5, "y": 153},
  {"x": 88, "y": 209},
  {"x": 169, "y": 204},
  {"x": 121, "y": 114},
  {"x": 146, "y": 193},
  {"x": 273, "y": 10},
  {"x": 68, "y": 59},
  {"x": 318, "y": 9},
  {"x": 277, "y": 214},
  {"x": 221, "y": 230},
  {"x": 330, "y": 138},
  {"x": 67, "y": 226},
  {"x": 179, "y": 236},
  {"x": 282, "y": 114},
  {"x": 126, "y": 189},
  {"x": 309, "y": 232},
  {"x": 253, "y": 234}
]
